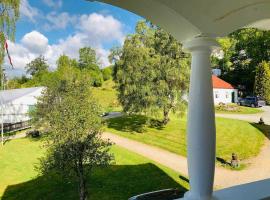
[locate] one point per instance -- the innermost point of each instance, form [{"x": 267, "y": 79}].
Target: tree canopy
[
  {"x": 37, "y": 66},
  {"x": 88, "y": 63},
  {"x": 151, "y": 71},
  {"x": 243, "y": 51}
]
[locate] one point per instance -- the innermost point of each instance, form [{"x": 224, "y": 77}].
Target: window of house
[
  {"x": 227, "y": 95},
  {"x": 216, "y": 95}
]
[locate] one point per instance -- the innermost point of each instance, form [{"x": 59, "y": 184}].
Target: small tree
[
  {"x": 37, "y": 66},
  {"x": 262, "y": 81},
  {"x": 74, "y": 142}
]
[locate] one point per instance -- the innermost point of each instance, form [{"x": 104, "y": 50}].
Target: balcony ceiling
[{"x": 186, "y": 19}]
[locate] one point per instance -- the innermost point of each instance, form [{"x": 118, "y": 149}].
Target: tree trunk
[
  {"x": 82, "y": 184},
  {"x": 166, "y": 118}
]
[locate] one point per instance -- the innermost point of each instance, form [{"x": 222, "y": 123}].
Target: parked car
[{"x": 252, "y": 101}]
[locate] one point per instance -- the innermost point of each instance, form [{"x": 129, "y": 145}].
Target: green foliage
[
  {"x": 151, "y": 72},
  {"x": 107, "y": 97},
  {"x": 262, "y": 81},
  {"x": 41, "y": 76},
  {"x": 72, "y": 118},
  {"x": 64, "y": 61},
  {"x": 37, "y": 66},
  {"x": 107, "y": 73},
  {"x": 17, "y": 82},
  {"x": 88, "y": 59},
  {"x": 227, "y": 45},
  {"x": 243, "y": 51},
  {"x": 88, "y": 63}
]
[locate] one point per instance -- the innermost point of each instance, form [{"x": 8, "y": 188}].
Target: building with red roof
[{"x": 223, "y": 91}]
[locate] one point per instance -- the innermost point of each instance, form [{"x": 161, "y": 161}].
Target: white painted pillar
[{"x": 201, "y": 121}]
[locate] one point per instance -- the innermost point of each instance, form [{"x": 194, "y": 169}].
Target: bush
[
  {"x": 228, "y": 107},
  {"x": 107, "y": 73}
]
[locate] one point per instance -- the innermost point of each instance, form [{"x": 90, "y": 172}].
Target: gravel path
[{"x": 258, "y": 169}]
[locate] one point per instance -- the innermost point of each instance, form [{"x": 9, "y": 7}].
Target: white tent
[{"x": 16, "y": 103}]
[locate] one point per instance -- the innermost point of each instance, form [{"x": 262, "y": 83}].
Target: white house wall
[{"x": 224, "y": 95}]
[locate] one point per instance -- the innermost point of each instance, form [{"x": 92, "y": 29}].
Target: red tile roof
[{"x": 219, "y": 83}]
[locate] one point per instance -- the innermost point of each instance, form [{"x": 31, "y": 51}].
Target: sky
[{"x": 55, "y": 27}]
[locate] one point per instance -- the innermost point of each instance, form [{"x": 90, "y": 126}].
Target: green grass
[
  {"x": 132, "y": 174},
  {"x": 107, "y": 96},
  {"x": 232, "y": 135},
  {"x": 236, "y": 109}
]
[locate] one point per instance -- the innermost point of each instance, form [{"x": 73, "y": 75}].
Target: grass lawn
[
  {"x": 232, "y": 135},
  {"x": 107, "y": 96},
  {"x": 236, "y": 109},
  {"x": 132, "y": 174}
]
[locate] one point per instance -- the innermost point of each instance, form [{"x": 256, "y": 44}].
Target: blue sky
[{"x": 55, "y": 27}]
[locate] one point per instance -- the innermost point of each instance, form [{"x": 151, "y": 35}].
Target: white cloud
[
  {"x": 28, "y": 11},
  {"x": 53, "y": 3},
  {"x": 93, "y": 30},
  {"x": 20, "y": 56},
  {"x": 101, "y": 28},
  {"x": 59, "y": 20},
  {"x": 35, "y": 42}
]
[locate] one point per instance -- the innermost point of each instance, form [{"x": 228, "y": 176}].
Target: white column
[{"x": 201, "y": 121}]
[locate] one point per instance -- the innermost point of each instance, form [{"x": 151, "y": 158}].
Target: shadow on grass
[
  {"x": 223, "y": 161},
  {"x": 117, "y": 182},
  {"x": 133, "y": 123},
  {"x": 264, "y": 128}
]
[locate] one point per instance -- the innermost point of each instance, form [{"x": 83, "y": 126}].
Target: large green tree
[
  {"x": 72, "y": 118},
  {"x": 151, "y": 72},
  {"x": 262, "y": 81}
]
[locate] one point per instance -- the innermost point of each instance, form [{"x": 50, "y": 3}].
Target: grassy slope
[
  {"x": 232, "y": 135},
  {"x": 132, "y": 174},
  {"x": 107, "y": 96}
]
